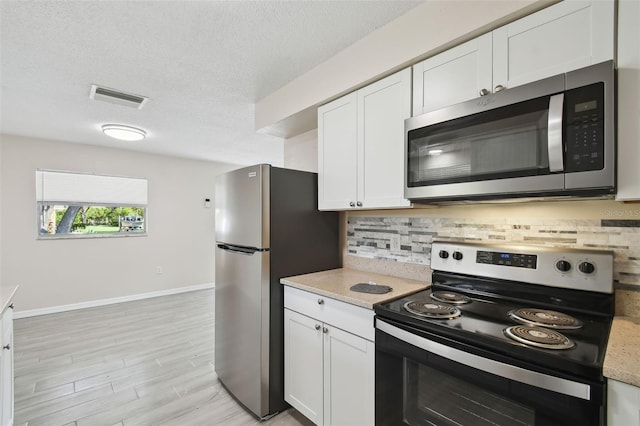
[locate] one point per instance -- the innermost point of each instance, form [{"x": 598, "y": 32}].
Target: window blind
[{"x": 54, "y": 187}]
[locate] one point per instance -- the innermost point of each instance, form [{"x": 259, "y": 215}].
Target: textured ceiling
[{"x": 203, "y": 64}]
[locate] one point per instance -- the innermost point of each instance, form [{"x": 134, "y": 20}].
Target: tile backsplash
[{"x": 408, "y": 239}]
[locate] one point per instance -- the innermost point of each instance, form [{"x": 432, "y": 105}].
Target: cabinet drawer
[{"x": 348, "y": 317}]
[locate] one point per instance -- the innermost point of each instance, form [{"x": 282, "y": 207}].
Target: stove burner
[
  {"x": 538, "y": 337},
  {"x": 545, "y": 318},
  {"x": 450, "y": 297},
  {"x": 432, "y": 310}
]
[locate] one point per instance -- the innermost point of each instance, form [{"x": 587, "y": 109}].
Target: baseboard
[{"x": 102, "y": 302}]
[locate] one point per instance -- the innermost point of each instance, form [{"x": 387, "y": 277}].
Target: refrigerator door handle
[{"x": 240, "y": 250}]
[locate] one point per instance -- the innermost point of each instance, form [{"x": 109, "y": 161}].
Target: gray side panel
[{"x": 303, "y": 240}]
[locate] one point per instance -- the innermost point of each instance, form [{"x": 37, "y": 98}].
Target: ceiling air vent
[{"x": 117, "y": 97}]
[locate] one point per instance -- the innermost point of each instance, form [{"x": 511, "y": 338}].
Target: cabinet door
[
  {"x": 337, "y": 170},
  {"x": 303, "y": 365},
  {"x": 3, "y": 375},
  {"x": 7, "y": 367},
  {"x": 566, "y": 36},
  {"x": 349, "y": 388},
  {"x": 623, "y": 404},
  {"x": 453, "y": 76},
  {"x": 628, "y": 100},
  {"x": 382, "y": 108}
]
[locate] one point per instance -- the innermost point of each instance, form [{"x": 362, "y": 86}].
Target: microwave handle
[{"x": 554, "y": 133}]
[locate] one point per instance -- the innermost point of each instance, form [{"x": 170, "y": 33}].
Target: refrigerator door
[
  {"x": 242, "y": 207},
  {"x": 242, "y": 303}
]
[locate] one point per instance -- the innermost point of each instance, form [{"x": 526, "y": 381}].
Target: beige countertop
[
  {"x": 622, "y": 360},
  {"x": 336, "y": 284}
]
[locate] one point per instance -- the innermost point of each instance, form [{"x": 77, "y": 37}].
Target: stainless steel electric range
[{"x": 506, "y": 335}]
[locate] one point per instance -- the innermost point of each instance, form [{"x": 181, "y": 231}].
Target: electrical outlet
[
  {"x": 395, "y": 243},
  {"x": 158, "y": 269}
]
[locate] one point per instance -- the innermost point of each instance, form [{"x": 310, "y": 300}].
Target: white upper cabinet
[
  {"x": 566, "y": 36},
  {"x": 337, "y": 156},
  {"x": 361, "y": 146},
  {"x": 628, "y": 100},
  {"x": 454, "y": 76}
]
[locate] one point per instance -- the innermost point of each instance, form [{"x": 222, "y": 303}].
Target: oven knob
[
  {"x": 586, "y": 267},
  {"x": 457, "y": 255},
  {"x": 443, "y": 254},
  {"x": 563, "y": 266}
]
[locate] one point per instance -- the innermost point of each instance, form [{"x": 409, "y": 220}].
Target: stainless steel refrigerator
[{"x": 267, "y": 227}]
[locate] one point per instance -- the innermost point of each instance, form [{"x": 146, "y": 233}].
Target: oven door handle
[
  {"x": 554, "y": 133},
  {"x": 533, "y": 378}
]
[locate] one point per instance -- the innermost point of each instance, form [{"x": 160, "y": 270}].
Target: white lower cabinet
[
  {"x": 6, "y": 367},
  {"x": 348, "y": 378},
  {"x": 623, "y": 404},
  {"x": 303, "y": 360},
  {"x": 329, "y": 372}
]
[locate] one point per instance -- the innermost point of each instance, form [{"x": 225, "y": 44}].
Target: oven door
[{"x": 421, "y": 381}]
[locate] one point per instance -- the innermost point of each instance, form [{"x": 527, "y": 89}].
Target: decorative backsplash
[{"x": 408, "y": 239}]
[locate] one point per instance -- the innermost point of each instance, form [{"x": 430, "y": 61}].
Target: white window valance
[{"x": 56, "y": 187}]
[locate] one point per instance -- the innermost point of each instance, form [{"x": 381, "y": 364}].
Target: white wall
[
  {"x": 301, "y": 152},
  {"x": 67, "y": 271},
  {"x": 429, "y": 28}
]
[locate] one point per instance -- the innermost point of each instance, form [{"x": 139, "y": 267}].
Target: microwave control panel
[{"x": 584, "y": 128}]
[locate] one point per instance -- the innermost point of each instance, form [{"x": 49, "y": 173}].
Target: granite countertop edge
[
  {"x": 623, "y": 351},
  {"x": 323, "y": 283}
]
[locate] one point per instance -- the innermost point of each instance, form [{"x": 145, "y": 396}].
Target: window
[{"x": 77, "y": 205}]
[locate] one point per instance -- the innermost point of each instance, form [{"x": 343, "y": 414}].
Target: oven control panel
[
  {"x": 580, "y": 269},
  {"x": 504, "y": 258}
]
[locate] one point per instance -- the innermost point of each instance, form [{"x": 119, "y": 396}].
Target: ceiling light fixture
[{"x": 124, "y": 133}]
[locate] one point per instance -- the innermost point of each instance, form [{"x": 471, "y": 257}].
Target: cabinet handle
[
  {"x": 325, "y": 330},
  {"x": 7, "y": 346},
  {"x": 499, "y": 88},
  {"x": 359, "y": 204},
  {"x": 484, "y": 92},
  {"x": 318, "y": 327},
  {"x": 320, "y": 302},
  {"x": 352, "y": 204}
]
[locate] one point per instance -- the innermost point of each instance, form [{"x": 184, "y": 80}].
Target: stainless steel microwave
[{"x": 552, "y": 137}]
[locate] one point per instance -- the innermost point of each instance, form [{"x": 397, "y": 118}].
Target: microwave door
[{"x": 516, "y": 149}]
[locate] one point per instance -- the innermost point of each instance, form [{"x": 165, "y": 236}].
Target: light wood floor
[{"x": 147, "y": 362}]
